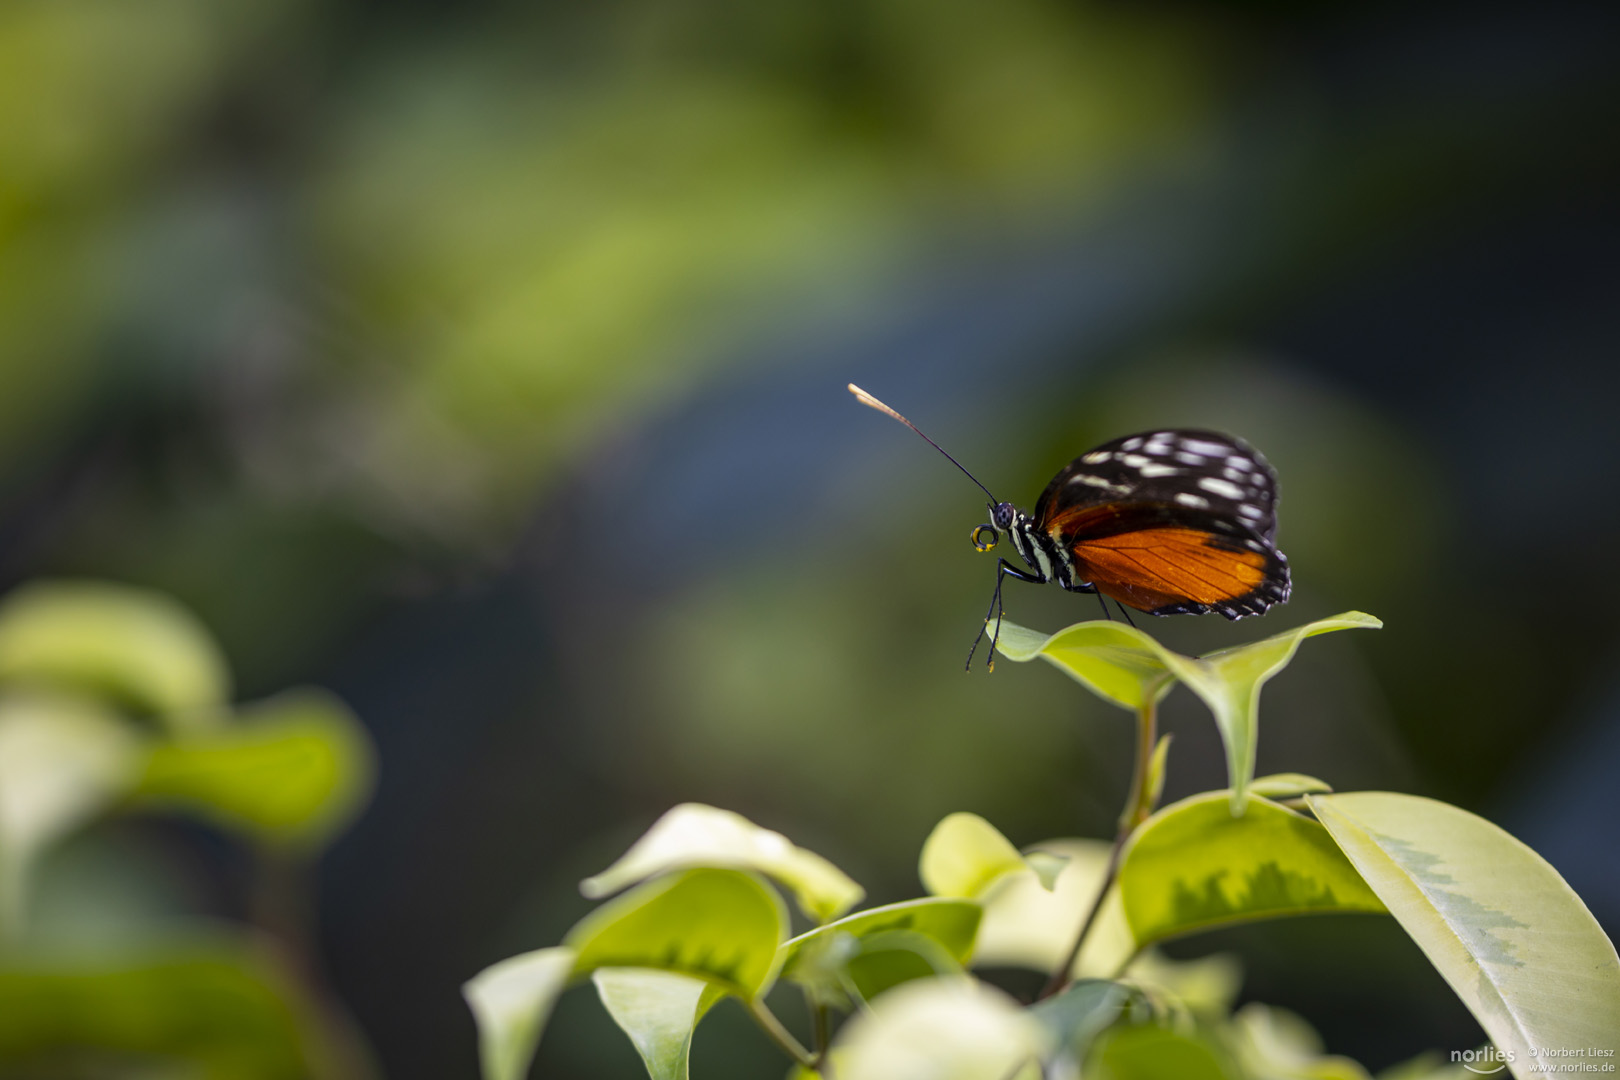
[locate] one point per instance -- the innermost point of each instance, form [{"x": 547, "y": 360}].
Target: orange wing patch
[{"x": 1153, "y": 568}]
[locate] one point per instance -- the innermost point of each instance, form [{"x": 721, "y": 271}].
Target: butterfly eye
[{"x": 985, "y": 537}]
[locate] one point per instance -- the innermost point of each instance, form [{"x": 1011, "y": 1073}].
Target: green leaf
[
  {"x": 892, "y": 957},
  {"x": 218, "y": 1012},
  {"x": 1147, "y": 1052},
  {"x": 950, "y": 922},
  {"x": 138, "y": 648},
  {"x": 1129, "y": 668},
  {"x": 1229, "y": 682},
  {"x": 1155, "y": 774},
  {"x": 511, "y": 1002},
  {"x": 1502, "y": 927},
  {"x": 1193, "y": 866},
  {"x": 295, "y": 770},
  {"x": 659, "y": 1011},
  {"x": 1119, "y": 663},
  {"x": 62, "y": 761},
  {"x": 942, "y": 1029},
  {"x": 722, "y": 926},
  {"x": 965, "y": 855},
  {"x": 1286, "y": 785},
  {"x": 1078, "y": 1015},
  {"x": 694, "y": 835},
  {"x": 1026, "y": 925}
]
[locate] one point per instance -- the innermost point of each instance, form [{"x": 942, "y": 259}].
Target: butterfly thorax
[{"x": 1048, "y": 559}]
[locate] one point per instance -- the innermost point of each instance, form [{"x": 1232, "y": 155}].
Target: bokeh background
[{"x": 485, "y": 364}]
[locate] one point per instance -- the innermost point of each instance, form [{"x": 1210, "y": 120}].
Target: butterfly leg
[{"x": 1003, "y": 569}]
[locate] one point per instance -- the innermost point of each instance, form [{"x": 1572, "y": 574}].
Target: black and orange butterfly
[{"x": 1174, "y": 522}]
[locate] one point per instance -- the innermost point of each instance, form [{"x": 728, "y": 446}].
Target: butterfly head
[{"x": 1003, "y": 516}]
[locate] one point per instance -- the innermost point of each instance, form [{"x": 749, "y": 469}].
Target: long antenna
[{"x": 867, "y": 399}]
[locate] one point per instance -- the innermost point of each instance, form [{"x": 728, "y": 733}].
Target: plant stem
[
  {"x": 779, "y": 1035},
  {"x": 1138, "y": 807}
]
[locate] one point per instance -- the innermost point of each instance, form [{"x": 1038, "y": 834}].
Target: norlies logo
[{"x": 1486, "y": 1061}]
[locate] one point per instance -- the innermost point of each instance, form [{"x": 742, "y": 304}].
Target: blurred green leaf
[
  {"x": 1147, "y": 1052},
  {"x": 942, "y": 1029},
  {"x": 1284, "y": 785},
  {"x": 1193, "y": 865},
  {"x": 1026, "y": 925},
  {"x": 965, "y": 855},
  {"x": 694, "y": 835},
  {"x": 1047, "y": 866},
  {"x": 723, "y": 926},
  {"x": 1274, "y": 1044},
  {"x": 890, "y": 958},
  {"x": 1499, "y": 923},
  {"x": 295, "y": 769},
  {"x": 221, "y": 1012},
  {"x": 1155, "y": 774},
  {"x": 1129, "y": 668},
  {"x": 1081, "y": 1013},
  {"x": 62, "y": 761},
  {"x": 139, "y": 648},
  {"x": 511, "y": 1002},
  {"x": 659, "y": 1011},
  {"x": 953, "y": 923}
]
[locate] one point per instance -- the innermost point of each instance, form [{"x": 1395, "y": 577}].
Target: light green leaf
[
  {"x": 204, "y": 1010},
  {"x": 965, "y": 855},
  {"x": 1155, "y": 775},
  {"x": 1129, "y": 668},
  {"x": 1193, "y": 866},
  {"x": 1047, "y": 866},
  {"x": 1119, "y": 663},
  {"x": 1028, "y": 926},
  {"x": 1286, "y": 785},
  {"x": 62, "y": 761},
  {"x": 1229, "y": 682},
  {"x": 852, "y": 944},
  {"x": 694, "y": 835},
  {"x": 511, "y": 1001},
  {"x": 942, "y": 1029},
  {"x": 294, "y": 770},
  {"x": 1502, "y": 927},
  {"x": 138, "y": 648},
  {"x": 659, "y": 1011},
  {"x": 722, "y": 926}
]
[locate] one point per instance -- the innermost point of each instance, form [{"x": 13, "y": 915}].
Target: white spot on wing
[
  {"x": 1152, "y": 469},
  {"x": 1238, "y": 461},
  {"x": 1189, "y": 458},
  {"x": 1220, "y": 487},
  {"x": 1135, "y": 461},
  {"x": 1251, "y": 511},
  {"x": 1097, "y": 482},
  {"x": 1187, "y": 498},
  {"x": 1097, "y": 457},
  {"x": 1199, "y": 446},
  {"x": 1131, "y": 444}
]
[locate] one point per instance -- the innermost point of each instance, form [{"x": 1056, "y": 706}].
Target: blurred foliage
[{"x": 82, "y": 667}]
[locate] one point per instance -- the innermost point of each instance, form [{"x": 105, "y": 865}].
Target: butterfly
[{"x": 1173, "y": 522}]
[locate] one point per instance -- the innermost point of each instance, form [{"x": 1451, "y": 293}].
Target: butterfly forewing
[{"x": 1171, "y": 522}]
